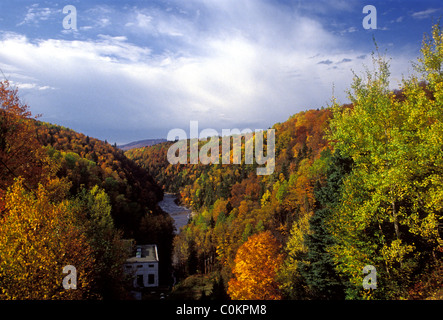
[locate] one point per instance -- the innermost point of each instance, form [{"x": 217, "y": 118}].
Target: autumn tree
[
  {"x": 20, "y": 152},
  {"x": 93, "y": 212},
  {"x": 392, "y": 200},
  {"x": 256, "y": 265},
  {"x": 37, "y": 240},
  {"x": 293, "y": 285}
]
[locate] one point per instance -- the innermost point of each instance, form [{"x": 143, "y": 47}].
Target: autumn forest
[{"x": 354, "y": 185}]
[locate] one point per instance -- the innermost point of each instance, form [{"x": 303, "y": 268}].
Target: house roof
[{"x": 144, "y": 253}]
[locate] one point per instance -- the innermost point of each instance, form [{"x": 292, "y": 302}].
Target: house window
[
  {"x": 139, "y": 266},
  {"x": 151, "y": 266},
  {"x": 128, "y": 267},
  {"x": 140, "y": 282},
  {"x": 151, "y": 278}
]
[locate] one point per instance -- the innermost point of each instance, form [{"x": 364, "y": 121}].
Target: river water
[{"x": 178, "y": 213}]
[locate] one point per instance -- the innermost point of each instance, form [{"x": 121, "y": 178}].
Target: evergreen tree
[{"x": 318, "y": 269}]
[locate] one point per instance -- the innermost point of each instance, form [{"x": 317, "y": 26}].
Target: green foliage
[
  {"x": 317, "y": 267},
  {"x": 389, "y": 213},
  {"x": 93, "y": 209}
]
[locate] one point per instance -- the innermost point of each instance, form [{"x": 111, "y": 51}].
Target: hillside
[
  {"x": 140, "y": 144},
  {"x": 233, "y": 202},
  {"x": 133, "y": 193},
  {"x": 68, "y": 199},
  {"x": 89, "y": 161}
]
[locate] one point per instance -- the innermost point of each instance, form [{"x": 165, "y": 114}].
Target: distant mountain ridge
[{"x": 140, "y": 144}]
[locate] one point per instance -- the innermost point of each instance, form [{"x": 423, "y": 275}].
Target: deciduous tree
[
  {"x": 256, "y": 265},
  {"x": 392, "y": 200},
  {"x": 37, "y": 240}
]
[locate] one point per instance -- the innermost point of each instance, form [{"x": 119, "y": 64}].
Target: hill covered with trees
[
  {"x": 68, "y": 199},
  {"x": 354, "y": 186}
]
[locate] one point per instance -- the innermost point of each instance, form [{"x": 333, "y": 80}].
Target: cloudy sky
[{"x": 134, "y": 70}]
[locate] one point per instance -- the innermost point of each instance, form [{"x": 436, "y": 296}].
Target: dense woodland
[
  {"x": 68, "y": 199},
  {"x": 354, "y": 185}
]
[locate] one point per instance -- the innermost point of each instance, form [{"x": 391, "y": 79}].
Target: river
[{"x": 178, "y": 213}]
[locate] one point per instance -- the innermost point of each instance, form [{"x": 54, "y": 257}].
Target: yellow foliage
[{"x": 37, "y": 239}]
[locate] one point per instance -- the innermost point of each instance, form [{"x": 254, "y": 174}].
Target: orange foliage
[
  {"x": 20, "y": 152},
  {"x": 256, "y": 265}
]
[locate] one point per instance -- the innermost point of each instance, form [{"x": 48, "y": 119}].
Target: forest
[
  {"x": 68, "y": 199},
  {"x": 354, "y": 185}
]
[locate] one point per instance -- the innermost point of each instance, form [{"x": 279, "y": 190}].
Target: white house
[{"x": 143, "y": 267}]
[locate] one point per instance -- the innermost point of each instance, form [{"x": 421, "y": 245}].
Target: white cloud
[
  {"x": 425, "y": 14},
  {"x": 350, "y": 29},
  {"x": 28, "y": 86},
  {"x": 36, "y": 14},
  {"x": 158, "y": 23},
  {"x": 143, "y": 21}
]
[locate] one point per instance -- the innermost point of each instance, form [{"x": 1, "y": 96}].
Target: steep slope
[
  {"x": 233, "y": 202},
  {"x": 133, "y": 193},
  {"x": 67, "y": 199},
  {"x": 89, "y": 161}
]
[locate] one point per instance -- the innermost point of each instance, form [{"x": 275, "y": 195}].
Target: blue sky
[{"x": 136, "y": 69}]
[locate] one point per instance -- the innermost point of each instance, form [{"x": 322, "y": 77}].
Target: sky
[{"x": 123, "y": 71}]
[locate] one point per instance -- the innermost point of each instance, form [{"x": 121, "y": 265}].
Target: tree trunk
[{"x": 394, "y": 214}]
